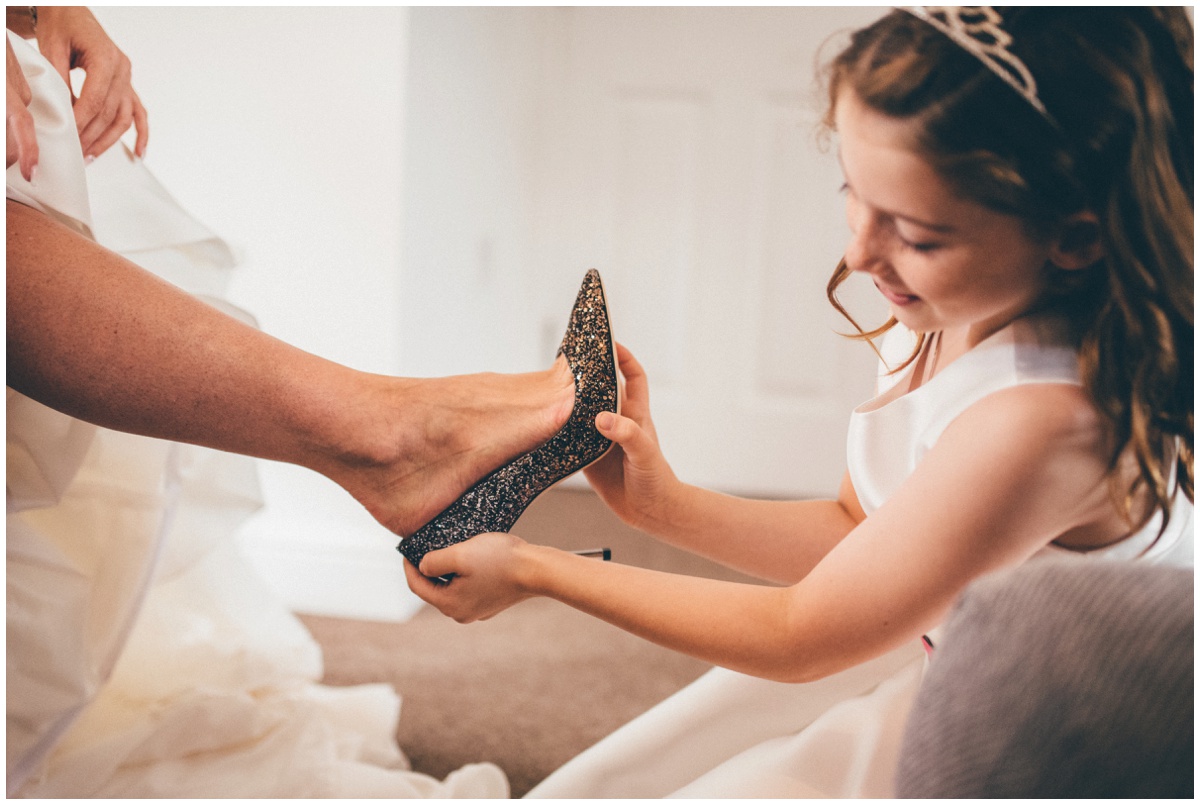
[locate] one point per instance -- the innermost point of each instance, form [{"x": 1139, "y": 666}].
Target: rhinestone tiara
[{"x": 977, "y": 30}]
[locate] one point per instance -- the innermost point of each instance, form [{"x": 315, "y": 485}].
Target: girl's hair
[{"x": 1117, "y": 83}]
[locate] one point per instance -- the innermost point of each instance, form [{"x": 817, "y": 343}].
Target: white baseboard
[
  {"x": 330, "y": 567},
  {"x": 321, "y": 552}
]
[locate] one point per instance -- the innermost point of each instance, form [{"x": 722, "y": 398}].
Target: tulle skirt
[{"x": 145, "y": 659}]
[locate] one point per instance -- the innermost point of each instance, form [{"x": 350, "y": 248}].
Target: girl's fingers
[
  {"x": 439, "y": 563},
  {"x": 625, "y": 432},
  {"x": 629, "y": 365},
  {"x": 420, "y": 585},
  {"x": 636, "y": 396}
]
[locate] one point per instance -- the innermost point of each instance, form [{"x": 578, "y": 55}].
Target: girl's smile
[
  {"x": 896, "y": 297},
  {"x": 944, "y": 263}
]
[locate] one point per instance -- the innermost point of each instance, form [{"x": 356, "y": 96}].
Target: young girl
[{"x": 1018, "y": 186}]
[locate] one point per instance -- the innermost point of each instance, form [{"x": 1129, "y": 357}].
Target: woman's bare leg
[{"x": 95, "y": 336}]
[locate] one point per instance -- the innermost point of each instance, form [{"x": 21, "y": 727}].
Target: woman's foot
[
  {"x": 497, "y": 502},
  {"x": 426, "y": 441}
]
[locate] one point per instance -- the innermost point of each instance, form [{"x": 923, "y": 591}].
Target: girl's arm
[
  {"x": 1011, "y": 474},
  {"x": 757, "y": 537},
  {"x": 775, "y": 540}
]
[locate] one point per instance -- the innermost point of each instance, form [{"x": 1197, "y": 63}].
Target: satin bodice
[{"x": 890, "y": 434}]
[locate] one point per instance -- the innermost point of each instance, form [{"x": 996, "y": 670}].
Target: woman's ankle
[{"x": 420, "y": 443}]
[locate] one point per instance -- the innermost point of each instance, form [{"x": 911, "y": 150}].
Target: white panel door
[{"x": 680, "y": 156}]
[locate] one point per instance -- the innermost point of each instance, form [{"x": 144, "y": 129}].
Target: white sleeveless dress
[
  {"x": 144, "y": 657},
  {"x": 731, "y": 735}
]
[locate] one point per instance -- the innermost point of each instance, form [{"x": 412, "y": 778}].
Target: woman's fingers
[
  {"x": 21, "y": 141},
  {"x": 69, "y": 38},
  {"x": 116, "y": 127},
  {"x": 104, "y": 109},
  {"x": 141, "y": 124},
  {"x": 21, "y": 137}
]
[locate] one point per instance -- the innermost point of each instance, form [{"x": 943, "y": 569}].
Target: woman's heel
[{"x": 495, "y": 503}]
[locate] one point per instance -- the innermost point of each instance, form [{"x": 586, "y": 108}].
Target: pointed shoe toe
[{"x": 495, "y": 503}]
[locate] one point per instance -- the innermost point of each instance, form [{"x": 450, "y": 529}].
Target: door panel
[{"x": 682, "y": 160}]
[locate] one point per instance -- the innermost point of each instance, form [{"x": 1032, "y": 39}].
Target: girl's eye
[{"x": 917, "y": 244}]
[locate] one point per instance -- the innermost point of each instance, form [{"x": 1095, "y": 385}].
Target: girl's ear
[{"x": 1079, "y": 244}]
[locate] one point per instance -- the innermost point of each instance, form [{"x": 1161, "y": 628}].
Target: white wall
[
  {"x": 384, "y": 175},
  {"x": 522, "y": 171},
  {"x": 476, "y": 91},
  {"x": 282, "y": 129}
]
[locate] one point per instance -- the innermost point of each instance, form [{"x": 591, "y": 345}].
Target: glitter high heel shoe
[{"x": 495, "y": 503}]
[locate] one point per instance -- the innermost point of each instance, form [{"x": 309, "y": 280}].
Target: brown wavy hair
[{"x": 1117, "y": 84}]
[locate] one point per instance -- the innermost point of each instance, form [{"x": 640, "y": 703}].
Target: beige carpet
[{"x": 530, "y": 688}]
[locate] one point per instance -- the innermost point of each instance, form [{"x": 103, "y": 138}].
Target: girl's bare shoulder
[
  {"x": 1042, "y": 414},
  {"x": 1047, "y": 439}
]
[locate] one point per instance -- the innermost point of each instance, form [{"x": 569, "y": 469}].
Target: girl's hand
[
  {"x": 634, "y": 479},
  {"x": 485, "y": 580}
]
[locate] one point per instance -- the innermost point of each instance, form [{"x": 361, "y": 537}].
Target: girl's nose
[{"x": 863, "y": 252}]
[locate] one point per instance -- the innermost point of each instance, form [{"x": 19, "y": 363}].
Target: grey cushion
[{"x": 1060, "y": 678}]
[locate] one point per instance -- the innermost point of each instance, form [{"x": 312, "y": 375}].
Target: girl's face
[{"x": 941, "y": 261}]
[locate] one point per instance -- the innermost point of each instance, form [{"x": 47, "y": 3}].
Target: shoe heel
[{"x": 497, "y": 501}]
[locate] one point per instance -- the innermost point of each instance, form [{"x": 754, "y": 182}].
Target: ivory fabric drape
[{"x": 144, "y": 657}]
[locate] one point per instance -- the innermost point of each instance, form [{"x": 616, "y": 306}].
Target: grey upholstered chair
[{"x": 1061, "y": 678}]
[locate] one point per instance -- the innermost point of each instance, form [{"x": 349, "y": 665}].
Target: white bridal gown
[
  {"x": 144, "y": 658},
  {"x": 731, "y": 735}
]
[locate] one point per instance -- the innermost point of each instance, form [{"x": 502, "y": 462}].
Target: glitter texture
[{"x": 495, "y": 503}]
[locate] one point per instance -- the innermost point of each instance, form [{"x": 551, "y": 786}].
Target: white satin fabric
[
  {"x": 890, "y": 434},
  {"x": 731, "y": 735},
  {"x": 144, "y": 658}
]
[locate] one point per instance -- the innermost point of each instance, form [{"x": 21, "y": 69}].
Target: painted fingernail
[
  {"x": 33, "y": 172},
  {"x": 89, "y": 159}
]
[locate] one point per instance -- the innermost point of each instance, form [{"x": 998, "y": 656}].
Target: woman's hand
[
  {"x": 18, "y": 122},
  {"x": 70, "y": 37},
  {"x": 634, "y": 479},
  {"x": 485, "y": 583}
]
